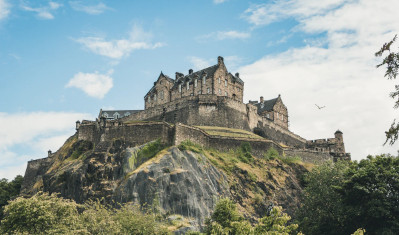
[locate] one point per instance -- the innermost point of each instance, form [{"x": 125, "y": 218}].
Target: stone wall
[
  {"x": 34, "y": 172},
  {"x": 309, "y": 155},
  {"x": 221, "y": 143}
]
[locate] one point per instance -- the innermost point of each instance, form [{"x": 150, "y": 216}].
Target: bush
[
  {"x": 271, "y": 154},
  {"x": 188, "y": 145}
]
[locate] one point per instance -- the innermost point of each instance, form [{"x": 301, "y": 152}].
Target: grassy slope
[{"x": 229, "y": 132}]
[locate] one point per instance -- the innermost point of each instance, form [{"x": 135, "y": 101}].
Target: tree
[
  {"x": 227, "y": 220},
  {"x": 340, "y": 198},
  {"x": 322, "y": 210},
  {"x": 391, "y": 61},
  {"x": 9, "y": 190},
  {"x": 371, "y": 195}
]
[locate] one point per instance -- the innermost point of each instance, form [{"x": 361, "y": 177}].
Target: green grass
[
  {"x": 144, "y": 154},
  {"x": 188, "y": 145},
  {"x": 228, "y": 132}
]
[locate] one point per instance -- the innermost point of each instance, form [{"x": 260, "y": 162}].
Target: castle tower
[{"x": 340, "y": 141}]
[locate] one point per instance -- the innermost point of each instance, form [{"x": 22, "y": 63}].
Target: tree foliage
[
  {"x": 9, "y": 190},
  {"x": 340, "y": 198},
  {"x": 227, "y": 220},
  {"x": 391, "y": 61},
  {"x": 49, "y": 214}
]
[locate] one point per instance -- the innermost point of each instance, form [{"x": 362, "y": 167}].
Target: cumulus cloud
[
  {"x": 92, "y": 9},
  {"x": 223, "y": 35},
  {"x": 337, "y": 70},
  {"x": 26, "y": 136},
  {"x": 93, "y": 84},
  {"x": 4, "y": 9},
  {"x": 45, "y": 12},
  {"x": 116, "y": 49}
]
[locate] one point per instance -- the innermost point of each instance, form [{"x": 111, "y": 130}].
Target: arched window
[
  {"x": 209, "y": 90},
  {"x": 188, "y": 85},
  {"x": 179, "y": 87},
  {"x": 162, "y": 95},
  {"x": 155, "y": 97},
  {"x": 204, "y": 80},
  {"x": 219, "y": 80},
  {"x": 220, "y": 92},
  {"x": 225, "y": 82},
  {"x": 195, "y": 83}
]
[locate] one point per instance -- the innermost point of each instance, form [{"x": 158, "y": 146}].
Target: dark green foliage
[
  {"x": 271, "y": 154},
  {"x": 340, "y": 198},
  {"x": 149, "y": 151},
  {"x": 188, "y": 145},
  {"x": 391, "y": 61},
  {"x": 9, "y": 190},
  {"x": 245, "y": 153}
]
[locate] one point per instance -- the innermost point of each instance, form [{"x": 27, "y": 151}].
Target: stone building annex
[{"x": 207, "y": 107}]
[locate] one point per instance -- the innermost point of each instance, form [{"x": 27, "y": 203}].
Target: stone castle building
[{"x": 212, "y": 96}]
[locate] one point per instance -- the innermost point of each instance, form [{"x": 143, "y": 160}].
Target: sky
[{"x": 62, "y": 61}]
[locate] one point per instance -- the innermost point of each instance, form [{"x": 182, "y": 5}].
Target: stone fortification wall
[
  {"x": 89, "y": 130},
  {"x": 184, "y": 132},
  {"x": 212, "y": 110},
  {"x": 309, "y": 155},
  {"x": 139, "y": 133},
  {"x": 34, "y": 172}
]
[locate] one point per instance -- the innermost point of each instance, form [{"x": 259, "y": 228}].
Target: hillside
[{"x": 185, "y": 180}]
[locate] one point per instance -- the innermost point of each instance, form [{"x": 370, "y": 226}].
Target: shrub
[
  {"x": 271, "y": 154},
  {"x": 188, "y": 145}
]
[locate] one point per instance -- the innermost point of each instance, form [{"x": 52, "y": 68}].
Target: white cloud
[
  {"x": 45, "y": 12},
  {"x": 263, "y": 14},
  {"x": 116, "y": 49},
  {"x": 223, "y": 35},
  {"x": 4, "y": 9},
  {"x": 27, "y": 136},
  {"x": 219, "y": 1},
  {"x": 93, "y": 84},
  {"x": 337, "y": 70},
  {"x": 199, "y": 63},
  {"x": 92, "y": 10}
]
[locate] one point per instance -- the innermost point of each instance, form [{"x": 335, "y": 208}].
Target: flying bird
[{"x": 319, "y": 106}]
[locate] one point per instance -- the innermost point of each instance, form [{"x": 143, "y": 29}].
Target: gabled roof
[
  {"x": 267, "y": 105},
  {"x": 159, "y": 77}
]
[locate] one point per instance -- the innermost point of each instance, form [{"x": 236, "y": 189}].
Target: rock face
[
  {"x": 180, "y": 182},
  {"x": 174, "y": 181},
  {"x": 170, "y": 180}
]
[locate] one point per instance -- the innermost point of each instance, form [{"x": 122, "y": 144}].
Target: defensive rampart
[{"x": 212, "y": 110}]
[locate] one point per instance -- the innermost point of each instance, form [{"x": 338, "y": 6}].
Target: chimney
[
  {"x": 220, "y": 60},
  {"x": 261, "y": 99},
  {"x": 178, "y": 75},
  {"x": 190, "y": 71},
  {"x": 237, "y": 75}
]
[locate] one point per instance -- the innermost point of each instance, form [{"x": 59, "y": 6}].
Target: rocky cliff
[{"x": 186, "y": 180}]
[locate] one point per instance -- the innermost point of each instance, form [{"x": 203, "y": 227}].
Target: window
[
  {"x": 116, "y": 115},
  {"x": 149, "y": 99},
  {"x": 267, "y": 115},
  {"x": 127, "y": 114},
  {"x": 277, "y": 116},
  {"x": 155, "y": 97},
  {"x": 209, "y": 90},
  {"x": 162, "y": 95},
  {"x": 225, "y": 82},
  {"x": 180, "y": 88},
  {"x": 220, "y": 92},
  {"x": 219, "y": 80},
  {"x": 199, "y": 91},
  {"x": 225, "y": 93},
  {"x": 105, "y": 115},
  {"x": 195, "y": 83},
  {"x": 188, "y": 85},
  {"x": 204, "y": 80}
]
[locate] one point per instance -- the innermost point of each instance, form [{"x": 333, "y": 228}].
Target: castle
[{"x": 179, "y": 109}]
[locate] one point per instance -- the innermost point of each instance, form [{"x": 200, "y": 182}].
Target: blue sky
[{"x": 61, "y": 61}]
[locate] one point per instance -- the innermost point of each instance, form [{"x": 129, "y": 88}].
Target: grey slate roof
[
  {"x": 267, "y": 105},
  {"x": 113, "y": 114},
  {"x": 189, "y": 77}
]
